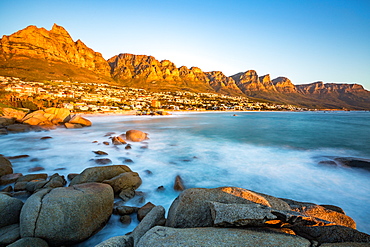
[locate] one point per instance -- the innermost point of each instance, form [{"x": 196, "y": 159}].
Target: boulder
[
  {"x": 29, "y": 242},
  {"x": 68, "y": 215},
  {"x": 30, "y": 177},
  {"x": 80, "y": 120},
  {"x": 37, "y": 118},
  {"x": 118, "y": 140},
  {"x": 5, "y": 166},
  {"x": 331, "y": 234},
  {"x": 99, "y": 174},
  {"x": 144, "y": 210},
  {"x": 324, "y": 213},
  {"x": 136, "y": 136},
  {"x": 13, "y": 113},
  {"x": 59, "y": 115},
  {"x": 5, "y": 121},
  {"x": 209, "y": 236},
  {"x": 125, "y": 210},
  {"x": 73, "y": 126},
  {"x": 192, "y": 208},
  {"x": 18, "y": 128},
  {"x": 9, "y": 178},
  {"x": 155, "y": 215},
  {"x": 9, "y": 234},
  {"x": 228, "y": 215},
  {"x": 124, "y": 181},
  {"x": 354, "y": 162},
  {"x": 118, "y": 241},
  {"x": 179, "y": 184},
  {"x": 10, "y": 209}
]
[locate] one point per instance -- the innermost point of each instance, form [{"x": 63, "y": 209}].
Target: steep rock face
[
  {"x": 321, "y": 88},
  {"x": 250, "y": 82},
  {"x": 284, "y": 85},
  {"x": 221, "y": 83},
  {"x": 54, "y": 45}
]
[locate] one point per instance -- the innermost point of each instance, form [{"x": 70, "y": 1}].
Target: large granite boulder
[
  {"x": 136, "y": 136},
  {"x": 13, "y": 113},
  {"x": 324, "y": 213},
  {"x": 209, "y": 236},
  {"x": 124, "y": 181},
  {"x": 5, "y": 166},
  {"x": 9, "y": 234},
  {"x": 80, "y": 120},
  {"x": 118, "y": 241},
  {"x": 10, "y": 209},
  {"x": 69, "y": 215},
  {"x": 29, "y": 242},
  {"x": 58, "y": 115},
  {"x": 38, "y": 118},
  {"x": 192, "y": 207},
  {"x": 99, "y": 174}
]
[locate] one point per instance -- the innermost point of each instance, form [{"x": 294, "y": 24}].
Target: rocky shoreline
[{"x": 42, "y": 209}]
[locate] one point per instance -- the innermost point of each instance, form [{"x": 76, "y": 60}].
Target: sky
[{"x": 306, "y": 40}]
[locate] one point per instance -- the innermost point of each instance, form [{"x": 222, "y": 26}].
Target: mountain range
[{"x": 38, "y": 54}]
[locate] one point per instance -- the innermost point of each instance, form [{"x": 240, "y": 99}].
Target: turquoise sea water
[{"x": 276, "y": 153}]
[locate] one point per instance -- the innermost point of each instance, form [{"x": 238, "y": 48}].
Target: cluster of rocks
[
  {"x": 13, "y": 120},
  {"x": 231, "y": 216},
  {"x": 347, "y": 162}
]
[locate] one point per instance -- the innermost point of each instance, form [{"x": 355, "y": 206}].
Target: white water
[{"x": 202, "y": 160}]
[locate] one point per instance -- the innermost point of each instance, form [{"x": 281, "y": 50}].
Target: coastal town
[{"x": 101, "y": 97}]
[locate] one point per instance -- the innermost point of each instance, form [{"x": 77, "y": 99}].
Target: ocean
[{"x": 275, "y": 153}]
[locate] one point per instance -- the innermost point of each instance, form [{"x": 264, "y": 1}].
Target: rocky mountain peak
[{"x": 284, "y": 85}]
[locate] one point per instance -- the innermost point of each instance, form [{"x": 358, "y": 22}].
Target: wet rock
[
  {"x": 3, "y": 131},
  {"x": 160, "y": 188},
  {"x": 7, "y": 189},
  {"x": 126, "y": 195},
  {"x": 117, "y": 140},
  {"x": 20, "y": 186},
  {"x": 136, "y": 136},
  {"x": 99, "y": 174},
  {"x": 128, "y": 146},
  {"x": 5, "y": 121},
  {"x": 227, "y": 215},
  {"x": 127, "y": 160},
  {"x": 5, "y": 166},
  {"x": 118, "y": 241},
  {"x": 100, "y": 152},
  {"x": 18, "y": 128},
  {"x": 109, "y": 134},
  {"x": 327, "y": 162},
  {"x": 103, "y": 161},
  {"x": 179, "y": 184},
  {"x": 125, "y": 210},
  {"x": 192, "y": 208},
  {"x": 124, "y": 181},
  {"x": 29, "y": 242},
  {"x": 125, "y": 219},
  {"x": 46, "y": 137},
  {"x": 10, "y": 209},
  {"x": 354, "y": 162},
  {"x": 30, "y": 177},
  {"x": 36, "y": 169},
  {"x": 166, "y": 236},
  {"x": 68, "y": 215},
  {"x": 144, "y": 210},
  {"x": 151, "y": 219},
  {"x": 71, "y": 176},
  {"x": 18, "y": 157},
  {"x": 9, "y": 234},
  {"x": 106, "y": 143},
  {"x": 9, "y": 178},
  {"x": 148, "y": 172},
  {"x": 18, "y": 115},
  {"x": 80, "y": 120}
]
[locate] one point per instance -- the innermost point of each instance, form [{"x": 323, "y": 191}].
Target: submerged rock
[{"x": 136, "y": 136}]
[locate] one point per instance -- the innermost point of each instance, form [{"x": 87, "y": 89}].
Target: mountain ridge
[{"x": 36, "y": 52}]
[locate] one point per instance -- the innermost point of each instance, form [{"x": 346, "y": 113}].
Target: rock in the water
[
  {"x": 124, "y": 181},
  {"x": 227, "y": 215},
  {"x": 69, "y": 215},
  {"x": 192, "y": 209},
  {"x": 9, "y": 178},
  {"x": 80, "y": 120},
  {"x": 209, "y": 237},
  {"x": 136, "y": 136},
  {"x": 5, "y": 166},
  {"x": 103, "y": 161},
  {"x": 99, "y": 174},
  {"x": 9, "y": 234},
  {"x": 125, "y": 219},
  {"x": 14, "y": 113},
  {"x": 354, "y": 162},
  {"x": 5, "y": 121},
  {"x": 155, "y": 216},
  {"x": 125, "y": 210},
  {"x": 10, "y": 209},
  {"x": 179, "y": 184},
  {"x": 73, "y": 125},
  {"x": 100, "y": 152},
  {"x": 30, "y": 177},
  {"x": 118, "y": 140},
  {"x": 18, "y": 128},
  {"x": 144, "y": 210},
  {"x": 29, "y": 242}
]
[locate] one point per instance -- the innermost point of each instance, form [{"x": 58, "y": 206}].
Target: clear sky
[{"x": 305, "y": 40}]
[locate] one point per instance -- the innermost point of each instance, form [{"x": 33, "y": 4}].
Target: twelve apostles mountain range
[{"x": 38, "y": 54}]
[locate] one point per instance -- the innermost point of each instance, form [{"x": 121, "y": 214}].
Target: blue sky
[{"x": 306, "y": 41}]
